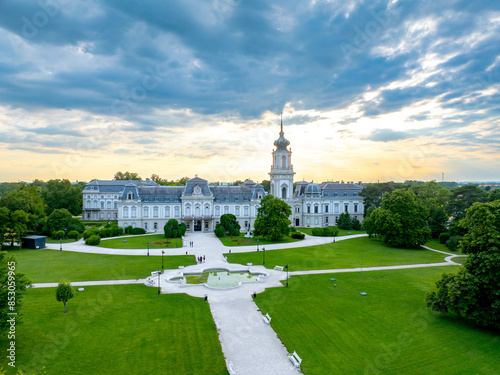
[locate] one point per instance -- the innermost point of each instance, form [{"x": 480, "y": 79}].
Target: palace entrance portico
[{"x": 199, "y": 223}]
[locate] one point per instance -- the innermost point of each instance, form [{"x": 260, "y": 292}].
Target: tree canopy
[
  {"x": 401, "y": 221},
  {"x": 474, "y": 292},
  {"x": 14, "y": 286},
  {"x": 463, "y": 197},
  {"x": 373, "y": 193},
  {"x": 62, "y": 194},
  {"x": 127, "y": 176},
  {"x": 64, "y": 293},
  {"x": 272, "y": 218}
]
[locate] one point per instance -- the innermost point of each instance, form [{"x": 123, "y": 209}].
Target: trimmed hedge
[
  {"x": 93, "y": 240},
  {"x": 74, "y": 234},
  {"x": 138, "y": 231},
  {"x": 298, "y": 236}
]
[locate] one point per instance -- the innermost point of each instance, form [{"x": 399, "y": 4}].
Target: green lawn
[
  {"x": 342, "y": 232},
  {"x": 242, "y": 241},
  {"x": 435, "y": 244},
  {"x": 52, "y": 265},
  {"x": 356, "y": 252},
  {"x": 120, "y": 329},
  {"x": 335, "y": 330},
  {"x": 156, "y": 241}
]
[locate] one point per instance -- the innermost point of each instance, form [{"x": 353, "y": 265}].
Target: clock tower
[{"x": 282, "y": 169}]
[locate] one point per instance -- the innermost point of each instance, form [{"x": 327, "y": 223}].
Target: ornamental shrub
[
  {"x": 105, "y": 232},
  {"x": 90, "y": 232},
  {"x": 317, "y": 231},
  {"x": 138, "y": 231},
  {"x": 128, "y": 230},
  {"x": 74, "y": 234},
  {"x": 219, "y": 230},
  {"x": 93, "y": 240},
  {"x": 299, "y": 236},
  {"x": 443, "y": 237},
  {"x": 58, "y": 234}
]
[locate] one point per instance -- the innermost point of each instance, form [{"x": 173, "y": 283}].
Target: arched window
[
  {"x": 146, "y": 211},
  {"x": 283, "y": 162},
  {"x": 237, "y": 211},
  {"x": 197, "y": 212},
  {"x": 167, "y": 211},
  {"x": 207, "y": 211},
  {"x": 188, "y": 211},
  {"x": 134, "y": 212},
  {"x": 125, "y": 212},
  {"x": 129, "y": 196},
  {"x": 283, "y": 193},
  {"x": 155, "y": 211},
  {"x": 109, "y": 205}
]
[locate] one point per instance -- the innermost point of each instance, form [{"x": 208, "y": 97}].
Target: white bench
[
  {"x": 267, "y": 318},
  {"x": 150, "y": 282},
  {"x": 278, "y": 268},
  {"x": 296, "y": 360},
  {"x": 230, "y": 369}
]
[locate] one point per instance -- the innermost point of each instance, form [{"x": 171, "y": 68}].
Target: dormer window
[{"x": 129, "y": 196}]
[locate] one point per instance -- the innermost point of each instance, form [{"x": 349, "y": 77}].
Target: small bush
[
  {"x": 298, "y": 236},
  {"x": 90, "y": 232},
  {"x": 356, "y": 225},
  {"x": 128, "y": 230},
  {"x": 105, "y": 232},
  {"x": 58, "y": 234},
  {"x": 74, "y": 234},
  {"x": 317, "y": 231},
  {"x": 93, "y": 240},
  {"x": 219, "y": 230},
  {"x": 138, "y": 231},
  {"x": 453, "y": 242},
  {"x": 443, "y": 237},
  {"x": 116, "y": 230}
]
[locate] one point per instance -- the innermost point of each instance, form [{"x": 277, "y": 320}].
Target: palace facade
[{"x": 148, "y": 205}]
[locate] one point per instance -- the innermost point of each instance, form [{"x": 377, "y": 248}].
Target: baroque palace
[{"x": 148, "y": 205}]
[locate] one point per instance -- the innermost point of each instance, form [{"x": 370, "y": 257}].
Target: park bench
[
  {"x": 150, "y": 282},
  {"x": 278, "y": 268},
  {"x": 267, "y": 318},
  {"x": 230, "y": 368},
  {"x": 296, "y": 360}
]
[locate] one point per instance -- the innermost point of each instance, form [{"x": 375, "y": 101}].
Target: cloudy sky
[{"x": 369, "y": 90}]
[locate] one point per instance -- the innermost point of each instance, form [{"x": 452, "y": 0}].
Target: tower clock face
[{"x": 197, "y": 190}]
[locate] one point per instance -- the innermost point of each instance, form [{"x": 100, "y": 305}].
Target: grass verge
[{"x": 156, "y": 241}]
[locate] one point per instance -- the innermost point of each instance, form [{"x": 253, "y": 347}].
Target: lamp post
[
  {"x": 286, "y": 275},
  {"x": 257, "y": 244},
  {"x": 162, "y": 252},
  {"x": 263, "y": 256},
  {"x": 148, "y": 248},
  {"x": 334, "y": 234},
  {"x": 159, "y": 288},
  {"x": 60, "y": 244}
]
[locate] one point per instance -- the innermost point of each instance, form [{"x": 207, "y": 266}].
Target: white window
[
  {"x": 188, "y": 211},
  {"x": 246, "y": 211},
  {"x": 155, "y": 211},
  {"x": 134, "y": 212},
  {"x": 197, "y": 211},
  {"x": 155, "y": 226},
  {"x": 109, "y": 215},
  {"x": 102, "y": 205},
  {"x": 109, "y": 205},
  {"x": 308, "y": 221},
  {"x": 176, "y": 211},
  {"x": 326, "y": 208},
  {"x": 89, "y": 204},
  {"x": 116, "y": 205},
  {"x": 308, "y": 209},
  {"x": 95, "y": 204},
  {"x": 207, "y": 211},
  {"x": 125, "y": 212},
  {"x": 316, "y": 209},
  {"x": 217, "y": 210},
  {"x": 355, "y": 207},
  {"x": 167, "y": 211},
  {"x": 237, "y": 211},
  {"x": 226, "y": 209},
  {"x": 297, "y": 210},
  {"x": 346, "y": 207},
  {"x": 102, "y": 215},
  {"x": 316, "y": 221},
  {"x": 336, "y": 208},
  {"x": 146, "y": 226}
]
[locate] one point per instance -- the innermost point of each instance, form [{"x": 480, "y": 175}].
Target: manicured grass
[
  {"x": 356, "y": 252},
  {"x": 121, "y": 329},
  {"x": 435, "y": 244},
  {"x": 242, "y": 241},
  {"x": 335, "y": 330},
  {"x": 342, "y": 232},
  {"x": 156, "y": 241},
  {"x": 53, "y": 266}
]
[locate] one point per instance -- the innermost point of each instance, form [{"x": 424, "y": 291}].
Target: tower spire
[{"x": 282, "y": 121}]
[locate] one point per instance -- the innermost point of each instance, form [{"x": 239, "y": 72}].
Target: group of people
[
  {"x": 191, "y": 243},
  {"x": 201, "y": 259}
]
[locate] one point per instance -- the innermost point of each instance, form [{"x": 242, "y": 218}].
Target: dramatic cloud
[{"x": 115, "y": 84}]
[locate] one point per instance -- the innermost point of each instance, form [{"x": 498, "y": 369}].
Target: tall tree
[
  {"x": 493, "y": 195},
  {"x": 373, "y": 193},
  {"x": 401, "y": 221},
  {"x": 463, "y": 197},
  {"x": 13, "y": 288},
  {"x": 64, "y": 293},
  {"x": 272, "y": 218},
  {"x": 474, "y": 292},
  {"x": 59, "y": 219},
  {"x": 431, "y": 195},
  {"x": 26, "y": 199},
  {"x": 62, "y": 194},
  {"x": 127, "y": 176}
]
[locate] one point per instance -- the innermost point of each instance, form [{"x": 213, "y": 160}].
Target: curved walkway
[{"x": 249, "y": 345}]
